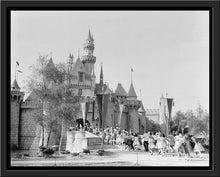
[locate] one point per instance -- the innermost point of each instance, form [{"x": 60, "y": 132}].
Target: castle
[{"x": 105, "y": 108}]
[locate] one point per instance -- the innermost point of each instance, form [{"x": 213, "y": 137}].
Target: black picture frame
[{"x": 212, "y": 6}]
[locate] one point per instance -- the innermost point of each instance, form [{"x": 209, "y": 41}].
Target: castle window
[{"x": 80, "y": 76}]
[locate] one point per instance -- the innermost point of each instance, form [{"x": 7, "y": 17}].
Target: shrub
[
  {"x": 75, "y": 154},
  {"x": 86, "y": 151},
  {"x": 47, "y": 151},
  {"x": 65, "y": 152},
  {"x": 100, "y": 152},
  {"x": 14, "y": 147}
]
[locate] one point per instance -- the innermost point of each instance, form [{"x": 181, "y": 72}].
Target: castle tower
[
  {"x": 88, "y": 59},
  {"x": 166, "y": 105},
  {"x": 133, "y": 105},
  {"x": 16, "y": 99}
]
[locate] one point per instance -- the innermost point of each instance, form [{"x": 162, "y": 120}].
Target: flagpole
[
  {"x": 15, "y": 69},
  {"x": 131, "y": 75},
  {"x": 140, "y": 95}
]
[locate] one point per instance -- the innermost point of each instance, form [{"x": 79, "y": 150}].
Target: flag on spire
[
  {"x": 19, "y": 71},
  {"x": 131, "y": 74},
  {"x": 17, "y": 63}
]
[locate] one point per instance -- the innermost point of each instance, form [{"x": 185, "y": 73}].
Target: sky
[{"x": 168, "y": 50}]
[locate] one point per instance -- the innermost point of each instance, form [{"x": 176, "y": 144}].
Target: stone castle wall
[
  {"x": 30, "y": 132},
  {"x": 27, "y": 128},
  {"x": 143, "y": 124},
  {"x": 15, "y": 112},
  {"x": 133, "y": 120}
]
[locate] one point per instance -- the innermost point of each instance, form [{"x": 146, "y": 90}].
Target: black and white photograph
[{"x": 110, "y": 88}]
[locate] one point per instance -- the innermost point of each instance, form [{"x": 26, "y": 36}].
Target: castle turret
[
  {"x": 120, "y": 93},
  {"x": 88, "y": 59},
  {"x": 131, "y": 93},
  {"x": 133, "y": 105},
  {"x": 16, "y": 99}
]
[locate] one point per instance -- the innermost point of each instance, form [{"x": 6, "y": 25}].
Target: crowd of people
[{"x": 181, "y": 143}]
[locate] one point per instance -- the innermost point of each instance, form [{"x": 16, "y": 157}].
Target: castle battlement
[
  {"x": 16, "y": 92},
  {"x": 88, "y": 58},
  {"x": 29, "y": 105},
  {"x": 136, "y": 104}
]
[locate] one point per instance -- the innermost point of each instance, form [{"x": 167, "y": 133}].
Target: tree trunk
[
  {"x": 61, "y": 137},
  {"x": 42, "y": 143},
  {"x": 48, "y": 137}
]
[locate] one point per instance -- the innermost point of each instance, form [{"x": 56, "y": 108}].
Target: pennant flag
[
  {"x": 120, "y": 113},
  {"x": 83, "y": 106},
  {"x": 17, "y": 63},
  {"x": 19, "y": 71},
  {"x": 87, "y": 109},
  {"x": 131, "y": 69}
]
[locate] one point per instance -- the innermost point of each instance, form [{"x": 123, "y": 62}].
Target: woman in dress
[
  {"x": 159, "y": 143},
  {"x": 119, "y": 138},
  {"x": 151, "y": 145},
  {"x": 179, "y": 140},
  {"x": 136, "y": 142},
  {"x": 198, "y": 148}
]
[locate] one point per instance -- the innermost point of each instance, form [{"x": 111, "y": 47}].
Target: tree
[
  {"x": 68, "y": 111},
  {"x": 47, "y": 85},
  {"x": 198, "y": 121},
  {"x": 179, "y": 118}
]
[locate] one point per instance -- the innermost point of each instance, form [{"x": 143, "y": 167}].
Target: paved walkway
[{"x": 114, "y": 156}]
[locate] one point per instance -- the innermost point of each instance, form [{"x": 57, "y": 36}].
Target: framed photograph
[{"x": 105, "y": 88}]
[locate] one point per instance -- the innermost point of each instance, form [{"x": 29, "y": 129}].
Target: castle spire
[
  {"x": 78, "y": 54},
  {"x": 15, "y": 85},
  {"x": 101, "y": 75},
  {"x": 70, "y": 55},
  {"x": 89, "y": 36},
  {"x": 131, "y": 93}
]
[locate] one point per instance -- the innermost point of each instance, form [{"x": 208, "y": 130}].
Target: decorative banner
[
  {"x": 169, "y": 106},
  {"x": 121, "y": 106},
  {"x": 166, "y": 105},
  {"x": 87, "y": 109},
  {"x": 163, "y": 111},
  {"x": 83, "y": 106}
]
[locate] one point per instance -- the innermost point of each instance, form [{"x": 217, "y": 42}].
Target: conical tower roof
[
  {"x": 120, "y": 90},
  {"x": 141, "y": 109},
  {"x": 101, "y": 73},
  {"x": 89, "y": 36},
  {"x": 107, "y": 90},
  {"x": 15, "y": 85},
  {"x": 50, "y": 64},
  {"x": 79, "y": 67},
  {"x": 131, "y": 92}
]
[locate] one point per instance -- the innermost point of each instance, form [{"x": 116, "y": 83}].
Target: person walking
[{"x": 145, "y": 140}]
